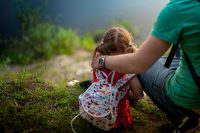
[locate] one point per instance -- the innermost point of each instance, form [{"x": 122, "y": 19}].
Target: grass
[{"x": 30, "y": 104}]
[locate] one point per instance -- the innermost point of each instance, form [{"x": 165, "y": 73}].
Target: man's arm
[{"x": 139, "y": 61}]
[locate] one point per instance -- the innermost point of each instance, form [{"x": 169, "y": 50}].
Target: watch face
[{"x": 101, "y": 62}]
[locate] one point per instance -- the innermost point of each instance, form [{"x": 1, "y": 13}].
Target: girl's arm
[
  {"x": 150, "y": 50},
  {"x": 136, "y": 89}
]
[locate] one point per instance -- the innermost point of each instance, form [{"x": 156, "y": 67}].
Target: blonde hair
[{"x": 116, "y": 40}]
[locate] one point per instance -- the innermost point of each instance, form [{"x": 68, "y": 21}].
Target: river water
[{"x": 90, "y": 15}]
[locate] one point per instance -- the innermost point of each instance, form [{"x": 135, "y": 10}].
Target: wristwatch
[{"x": 101, "y": 62}]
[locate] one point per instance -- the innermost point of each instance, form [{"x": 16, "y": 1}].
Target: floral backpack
[{"x": 98, "y": 104}]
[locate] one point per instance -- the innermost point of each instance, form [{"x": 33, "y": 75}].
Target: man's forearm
[{"x": 121, "y": 63}]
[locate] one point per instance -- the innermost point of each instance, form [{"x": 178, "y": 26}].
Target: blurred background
[
  {"x": 36, "y": 28},
  {"x": 85, "y": 15}
]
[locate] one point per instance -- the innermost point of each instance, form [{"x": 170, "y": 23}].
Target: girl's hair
[{"x": 116, "y": 40}]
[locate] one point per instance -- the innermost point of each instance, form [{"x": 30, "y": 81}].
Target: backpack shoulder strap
[
  {"x": 112, "y": 73},
  {"x": 102, "y": 75},
  {"x": 122, "y": 81}
]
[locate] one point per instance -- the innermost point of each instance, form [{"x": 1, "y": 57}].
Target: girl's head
[{"x": 116, "y": 40}]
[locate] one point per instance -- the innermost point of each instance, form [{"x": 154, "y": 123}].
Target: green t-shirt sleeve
[{"x": 168, "y": 26}]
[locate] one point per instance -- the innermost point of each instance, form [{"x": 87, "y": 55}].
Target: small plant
[
  {"x": 65, "y": 41},
  {"x": 3, "y": 65},
  {"x": 88, "y": 42}
]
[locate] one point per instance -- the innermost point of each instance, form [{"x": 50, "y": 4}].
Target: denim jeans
[{"x": 153, "y": 81}]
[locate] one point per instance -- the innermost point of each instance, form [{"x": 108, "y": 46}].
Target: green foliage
[
  {"x": 43, "y": 42},
  {"x": 88, "y": 42},
  {"x": 66, "y": 40}
]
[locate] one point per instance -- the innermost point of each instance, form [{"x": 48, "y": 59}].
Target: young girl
[{"x": 117, "y": 40}]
